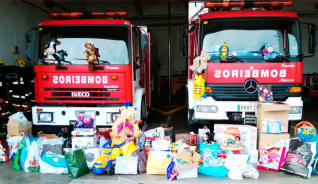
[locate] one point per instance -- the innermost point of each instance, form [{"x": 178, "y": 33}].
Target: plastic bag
[
  {"x": 76, "y": 163},
  {"x": 13, "y": 143},
  {"x": 91, "y": 154},
  {"x": 53, "y": 163},
  {"x": 20, "y": 117},
  {"x": 126, "y": 165},
  {"x": 299, "y": 158},
  {"x": 53, "y": 145},
  {"x": 142, "y": 160},
  {"x": 32, "y": 161},
  {"x": 172, "y": 171},
  {"x": 158, "y": 162},
  {"x": 128, "y": 148},
  {"x": 213, "y": 160}
]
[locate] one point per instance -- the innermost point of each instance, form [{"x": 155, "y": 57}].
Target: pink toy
[{"x": 271, "y": 158}]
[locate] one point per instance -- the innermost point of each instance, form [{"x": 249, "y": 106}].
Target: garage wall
[{"x": 16, "y": 19}]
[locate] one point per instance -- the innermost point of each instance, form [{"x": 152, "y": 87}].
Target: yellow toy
[
  {"x": 108, "y": 157},
  {"x": 198, "y": 86}
]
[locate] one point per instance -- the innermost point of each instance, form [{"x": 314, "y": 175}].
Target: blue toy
[{"x": 268, "y": 51}]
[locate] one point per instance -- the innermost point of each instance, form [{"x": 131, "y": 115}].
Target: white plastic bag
[
  {"x": 13, "y": 143},
  {"x": 126, "y": 165},
  {"x": 20, "y": 117},
  {"x": 32, "y": 162},
  {"x": 91, "y": 154}
]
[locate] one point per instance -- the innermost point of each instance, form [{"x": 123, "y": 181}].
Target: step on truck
[
  {"x": 90, "y": 64},
  {"x": 236, "y": 35}
]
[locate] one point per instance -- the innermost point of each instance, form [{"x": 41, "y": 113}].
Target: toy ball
[
  {"x": 80, "y": 116},
  {"x": 88, "y": 120}
]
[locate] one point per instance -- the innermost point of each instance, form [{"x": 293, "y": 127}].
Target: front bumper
[
  {"x": 226, "y": 107},
  {"x": 64, "y": 116}
]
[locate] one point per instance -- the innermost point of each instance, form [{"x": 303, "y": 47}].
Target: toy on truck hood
[
  {"x": 91, "y": 55},
  {"x": 200, "y": 63},
  {"x": 53, "y": 52}
]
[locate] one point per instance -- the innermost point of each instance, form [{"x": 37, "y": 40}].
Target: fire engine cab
[
  {"x": 243, "y": 29},
  {"x": 64, "y": 82}
]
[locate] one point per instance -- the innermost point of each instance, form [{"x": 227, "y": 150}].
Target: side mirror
[
  {"x": 312, "y": 28},
  {"x": 184, "y": 41}
]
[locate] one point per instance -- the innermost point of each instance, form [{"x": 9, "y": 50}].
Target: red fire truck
[
  {"x": 230, "y": 85},
  {"x": 123, "y": 73}
]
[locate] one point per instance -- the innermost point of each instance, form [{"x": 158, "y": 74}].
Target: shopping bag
[
  {"x": 299, "y": 158},
  {"x": 91, "y": 154},
  {"x": 32, "y": 161},
  {"x": 158, "y": 162},
  {"x": 13, "y": 143},
  {"x": 142, "y": 160},
  {"x": 76, "y": 163},
  {"x": 126, "y": 165},
  {"x": 53, "y": 163}
]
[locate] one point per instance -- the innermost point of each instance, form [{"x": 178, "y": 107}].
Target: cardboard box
[
  {"x": 14, "y": 128},
  {"x": 271, "y": 112},
  {"x": 84, "y": 142},
  {"x": 248, "y": 135},
  {"x": 265, "y": 139}
]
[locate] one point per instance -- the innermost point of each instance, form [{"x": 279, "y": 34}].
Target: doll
[{"x": 268, "y": 51}]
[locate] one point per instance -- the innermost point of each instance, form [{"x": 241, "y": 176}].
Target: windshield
[
  {"x": 66, "y": 44},
  {"x": 245, "y": 39}
]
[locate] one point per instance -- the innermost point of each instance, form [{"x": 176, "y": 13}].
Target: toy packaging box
[
  {"x": 84, "y": 142},
  {"x": 265, "y": 94},
  {"x": 271, "y": 158},
  {"x": 85, "y": 119},
  {"x": 265, "y": 139},
  {"x": 272, "y": 118},
  {"x": 236, "y": 137}
]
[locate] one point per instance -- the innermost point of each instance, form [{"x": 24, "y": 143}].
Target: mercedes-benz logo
[{"x": 250, "y": 86}]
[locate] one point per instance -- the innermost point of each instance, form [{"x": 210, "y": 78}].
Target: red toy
[{"x": 3, "y": 156}]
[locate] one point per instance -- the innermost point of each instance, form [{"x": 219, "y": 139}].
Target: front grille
[
  {"x": 80, "y": 94},
  {"x": 236, "y": 92}
]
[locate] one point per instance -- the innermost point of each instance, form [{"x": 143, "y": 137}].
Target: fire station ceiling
[{"x": 149, "y": 12}]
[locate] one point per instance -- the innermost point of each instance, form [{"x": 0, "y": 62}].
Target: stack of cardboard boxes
[{"x": 272, "y": 123}]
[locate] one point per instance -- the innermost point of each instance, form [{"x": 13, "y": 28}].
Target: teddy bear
[
  {"x": 91, "y": 55},
  {"x": 200, "y": 63},
  {"x": 126, "y": 124}
]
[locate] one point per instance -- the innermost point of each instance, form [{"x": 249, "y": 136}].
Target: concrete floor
[{"x": 178, "y": 120}]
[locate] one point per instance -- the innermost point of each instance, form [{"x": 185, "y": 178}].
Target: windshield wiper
[
  {"x": 231, "y": 56},
  {"x": 100, "y": 61},
  {"x": 277, "y": 55},
  {"x": 236, "y": 58}
]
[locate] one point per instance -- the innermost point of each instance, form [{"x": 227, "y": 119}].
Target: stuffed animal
[
  {"x": 224, "y": 52},
  {"x": 51, "y": 52},
  {"x": 126, "y": 124},
  {"x": 268, "y": 51},
  {"x": 91, "y": 56},
  {"x": 200, "y": 63}
]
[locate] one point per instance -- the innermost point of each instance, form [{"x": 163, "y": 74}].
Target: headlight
[
  {"x": 207, "y": 109},
  {"x": 45, "y": 116},
  {"x": 115, "y": 115},
  {"x": 296, "y": 110}
]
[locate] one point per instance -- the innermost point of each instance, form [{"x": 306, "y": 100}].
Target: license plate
[{"x": 247, "y": 107}]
